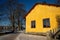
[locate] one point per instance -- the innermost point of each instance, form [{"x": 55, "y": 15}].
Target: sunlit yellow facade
[{"x": 40, "y": 12}]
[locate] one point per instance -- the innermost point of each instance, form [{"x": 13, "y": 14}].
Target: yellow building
[{"x": 42, "y": 18}]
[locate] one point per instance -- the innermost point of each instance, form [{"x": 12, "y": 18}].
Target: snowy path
[
  {"x": 30, "y": 37},
  {"x": 22, "y": 36}
]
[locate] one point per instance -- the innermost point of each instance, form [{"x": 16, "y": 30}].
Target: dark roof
[{"x": 55, "y": 5}]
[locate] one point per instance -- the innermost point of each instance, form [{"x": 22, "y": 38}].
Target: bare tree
[
  {"x": 18, "y": 10},
  {"x": 15, "y": 11},
  {"x": 58, "y": 2},
  {"x": 21, "y": 13},
  {"x": 58, "y": 20}
]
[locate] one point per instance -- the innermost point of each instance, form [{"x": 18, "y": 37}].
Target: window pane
[
  {"x": 46, "y": 23},
  {"x": 32, "y": 24}
]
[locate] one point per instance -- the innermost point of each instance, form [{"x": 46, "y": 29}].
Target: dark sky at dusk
[{"x": 28, "y": 5}]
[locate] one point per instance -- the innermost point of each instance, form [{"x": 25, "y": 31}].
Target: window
[
  {"x": 46, "y": 23},
  {"x": 33, "y": 24}
]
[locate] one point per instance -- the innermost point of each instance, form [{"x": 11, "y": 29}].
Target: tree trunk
[
  {"x": 13, "y": 22},
  {"x": 19, "y": 23}
]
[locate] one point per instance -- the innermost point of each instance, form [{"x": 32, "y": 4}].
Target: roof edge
[{"x": 41, "y": 4}]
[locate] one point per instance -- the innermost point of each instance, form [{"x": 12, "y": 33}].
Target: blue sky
[{"x": 28, "y": 5}]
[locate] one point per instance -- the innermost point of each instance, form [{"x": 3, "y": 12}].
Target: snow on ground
[
  {"x": 30, "y": 37},
  {"x": 22, "y": 36},
  {"x": 9, "y": 37}
]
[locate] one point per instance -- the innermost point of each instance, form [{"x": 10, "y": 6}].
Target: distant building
[
  {"x": 42, "y": 18},
  {"x": 4, "y": 29}
]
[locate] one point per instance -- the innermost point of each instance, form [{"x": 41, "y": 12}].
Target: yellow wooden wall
[{"x": 39, "y": 13}]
